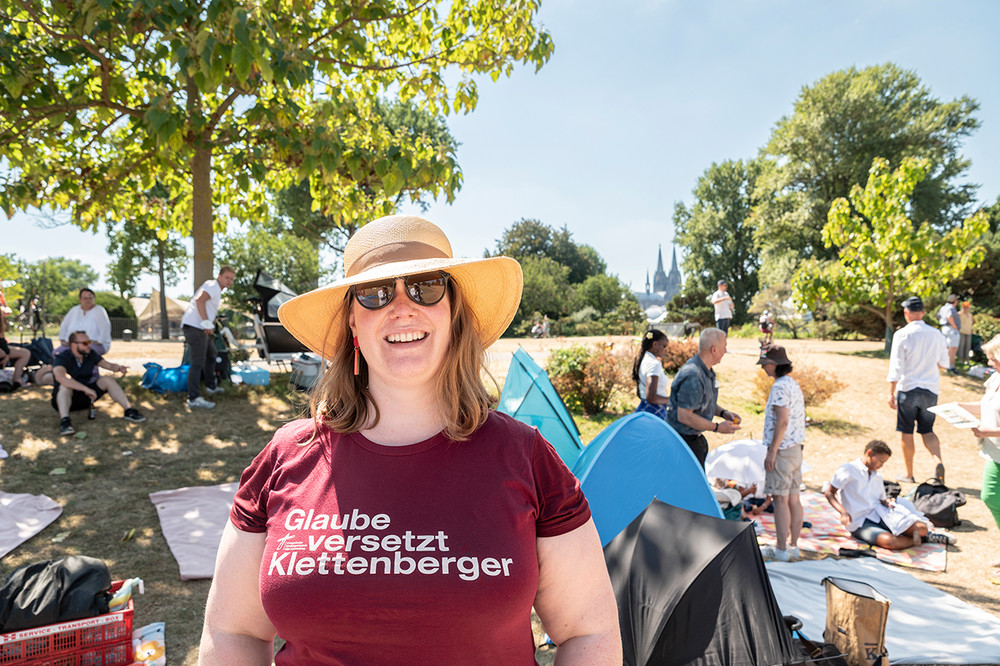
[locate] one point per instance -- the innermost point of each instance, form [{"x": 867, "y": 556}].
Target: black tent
[
  {"x": 272, "y": 293},
  {"x": 692, "y": 589}
]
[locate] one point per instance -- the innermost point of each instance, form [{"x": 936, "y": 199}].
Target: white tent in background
[{"x": 148, "y": 312}]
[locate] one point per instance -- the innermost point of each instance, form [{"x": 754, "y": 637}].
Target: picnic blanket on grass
[
  {"x": 925, "y": 625},
  {"x": 22, "y": 516},
  {"x": 192, "y": 520},
  {"x": 827, "y": 536}
]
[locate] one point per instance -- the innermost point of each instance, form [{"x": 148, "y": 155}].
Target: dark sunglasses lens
[
  {"x": 375, "y": 296},
  {"x": 426, "y": 289}
]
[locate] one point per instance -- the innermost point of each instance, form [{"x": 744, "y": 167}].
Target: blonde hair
[
  {"x": 992, "y": 348},
  {"x": 342, "y": 402}
]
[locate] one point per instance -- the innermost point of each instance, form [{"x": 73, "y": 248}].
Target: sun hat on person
[
  {"x": 773, "y": 354},
  {"x": 397, "y": 246}
]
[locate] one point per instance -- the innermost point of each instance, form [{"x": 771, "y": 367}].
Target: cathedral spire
[
  {"x": 659, "y": 258},
  {"x": 647, "y": 280}
]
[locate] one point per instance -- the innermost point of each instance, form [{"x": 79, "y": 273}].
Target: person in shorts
[
  {"x": 918, "y": 351},
  {"x": 857, "y": 493},
  {"x": 784, "y": 432},
  {"x": 75, "y": 388}
]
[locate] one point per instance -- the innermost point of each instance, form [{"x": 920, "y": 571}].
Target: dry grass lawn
[{"x": 109, "y": 475}]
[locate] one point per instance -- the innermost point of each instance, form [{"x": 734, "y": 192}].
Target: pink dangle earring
[{"x": 357, "y": 354}]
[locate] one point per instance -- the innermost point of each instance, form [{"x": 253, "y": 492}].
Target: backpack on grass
[
  {"x": 53, "y": 591},
  {"x": 938, "y": 502}
]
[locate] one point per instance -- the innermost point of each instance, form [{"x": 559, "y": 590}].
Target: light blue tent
[
  {"x": 529, "y": 397},
  {"x": 633, "y": 460}
]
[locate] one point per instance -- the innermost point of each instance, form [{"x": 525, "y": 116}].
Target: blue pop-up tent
[
  {"x": 529, "y": 397},
  {"x": 635, "y": 459}
]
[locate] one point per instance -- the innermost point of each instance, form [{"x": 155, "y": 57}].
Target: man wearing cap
[
  {"x": 918, "y": 350},
  {"x": 723, "y": 303},
  {"x": 694, "y": 393},
  {"x": 199, "y": 324},
  {"x": 950, "y": 322}
]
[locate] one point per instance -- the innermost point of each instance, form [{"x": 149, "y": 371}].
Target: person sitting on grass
[
  {"x": 857, "y": 492},
  {"x": 75, "y": 387}
]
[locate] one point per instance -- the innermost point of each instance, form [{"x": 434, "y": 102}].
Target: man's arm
[
  {"x": 112, "y": 367},
  {"x": 62, "y": 377},
  {"x": 692, "y": 420},
  {"x": 831, "y": 497},
  {"x": 892, "y": 395}
]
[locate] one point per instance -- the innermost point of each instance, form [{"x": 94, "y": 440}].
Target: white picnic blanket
[
  {"x": 22, "y": 516},
  {"x": 925, "y": 626},
  {"x": 192, "y": 520}
]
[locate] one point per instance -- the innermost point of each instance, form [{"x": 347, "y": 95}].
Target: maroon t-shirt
[{"x": 419, "y": 554}]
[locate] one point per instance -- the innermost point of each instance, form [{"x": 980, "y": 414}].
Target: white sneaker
[
  {"x": 793, "y": 554},
  {"x": 772, "y": 553},
  {"x": 200, "y": 403},
  {"x": 213, "y": 391}
]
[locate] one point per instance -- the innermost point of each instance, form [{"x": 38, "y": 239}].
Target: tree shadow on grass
[
  {"x": 103, "y": 482},
  {"x": 840, "y": 427}
]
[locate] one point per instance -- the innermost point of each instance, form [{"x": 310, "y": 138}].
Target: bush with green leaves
[{"x": 587, "y": 377}]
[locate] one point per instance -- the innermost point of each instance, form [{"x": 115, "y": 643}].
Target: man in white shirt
[
  {"x": 950, "y": 321},
  {"x": 198, "y": 324},
  {"x": 723, "y": 303},
  {"x": 918, "y": 350}
]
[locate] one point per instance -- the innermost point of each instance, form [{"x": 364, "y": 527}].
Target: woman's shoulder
[
  {"x": 503, "y": 424},
  {"x": 294, "y": 434}
]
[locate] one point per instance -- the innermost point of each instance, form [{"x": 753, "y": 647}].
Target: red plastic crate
[{"x": 105, "y": 640}]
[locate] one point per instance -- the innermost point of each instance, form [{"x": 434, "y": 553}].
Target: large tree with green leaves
[
  {"x": 223, "y": 101},
  {"x": 882, "y": 253},
  {"x": 826, "y": 146},
  {"x": 531, "y": 238},
  {"x": 717, "y": 232},
  {"x": 981, "y": 280},
  {"x": 291, "y": 259}
]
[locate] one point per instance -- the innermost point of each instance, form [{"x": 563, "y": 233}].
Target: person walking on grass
[
  {"x": 199, "y": 324},
  {"x": 918, "y": 350},
  {"x": 987, "y": 411},
  {"x": 76, "y": 388},
  {"x": 784, "y": 432}
]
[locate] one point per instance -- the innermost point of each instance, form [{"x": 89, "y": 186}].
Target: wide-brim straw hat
[{"x": 396, "y": 246}]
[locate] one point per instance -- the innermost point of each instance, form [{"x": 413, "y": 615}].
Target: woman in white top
[
  {"x": 650, "y": 379},
  {"x": 988, "y": 412},
  {"x": 90, "y": 318}
]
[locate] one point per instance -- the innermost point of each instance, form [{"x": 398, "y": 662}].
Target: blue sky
[{"x": 641, "y": 96}]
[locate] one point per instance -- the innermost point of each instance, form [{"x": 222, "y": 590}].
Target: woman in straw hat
[{"x": 406, "y": 522}]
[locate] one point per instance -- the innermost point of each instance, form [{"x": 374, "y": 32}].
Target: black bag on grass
[
  {"x": 52, "y": 591},
  {"x": 938, "y": 502}
]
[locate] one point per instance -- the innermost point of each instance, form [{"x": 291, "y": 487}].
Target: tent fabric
[
  {"x": 529, "y": 397},
  {"x": 272, "y": 293},
  {"x": 635, "y": 459},
  {"x": 925, "y": 626},
  {"x": 149, "y": 313},
  {"x": 692, "y": 589}
]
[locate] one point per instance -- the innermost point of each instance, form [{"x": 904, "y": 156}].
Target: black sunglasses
[{"x": 423, "y": 289}]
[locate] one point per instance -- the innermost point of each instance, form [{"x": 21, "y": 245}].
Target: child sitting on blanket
[{"x": 858, "y": 494}]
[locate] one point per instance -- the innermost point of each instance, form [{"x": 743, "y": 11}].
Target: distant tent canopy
[
  {"x": 148, "y": 313},
  {"x": 635, "y": 459},
  {"x": 692, "y": 590},
  {"x": 529, "y": 397}
]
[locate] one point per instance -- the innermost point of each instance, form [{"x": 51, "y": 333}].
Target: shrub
[
  {"x": 817, "y": 386},
  {"x": 677, "y": 354},
  {"x": 587, "y": 378},
  {"x": 985, "y": 326}
]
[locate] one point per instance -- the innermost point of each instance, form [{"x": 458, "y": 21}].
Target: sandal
[{"x": 995, "y": 576}]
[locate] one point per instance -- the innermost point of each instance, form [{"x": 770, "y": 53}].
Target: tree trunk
[
  {"x": 164, "y": 320},
  {"x": 201, "y": 196},
  {"x": 201, "y": 216}
]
